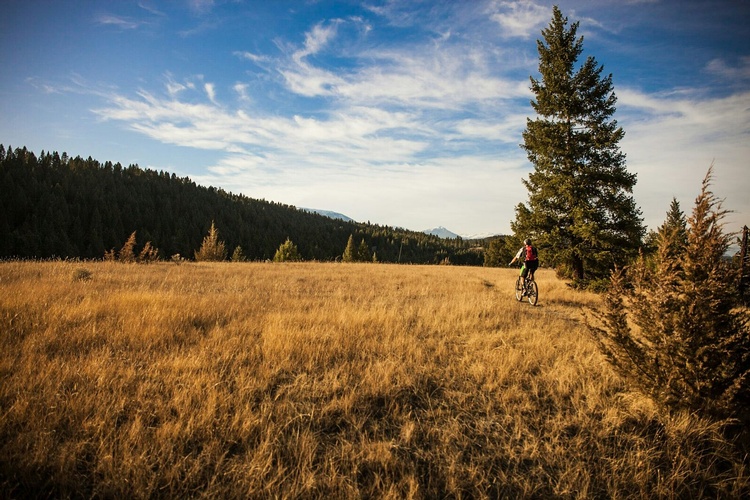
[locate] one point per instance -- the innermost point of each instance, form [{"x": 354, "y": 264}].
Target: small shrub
[
  {"x": 82, "y": 274},
  {"x": 127, "y": 252},
  {"x": 148, "y": 254},
  {"x": 287, "y": 252},
  {"x": 238, "y": 255},
  {"x": 212, "y": 249}
]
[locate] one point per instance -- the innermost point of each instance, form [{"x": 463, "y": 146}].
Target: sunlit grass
[{"x": 324, "y": 380}]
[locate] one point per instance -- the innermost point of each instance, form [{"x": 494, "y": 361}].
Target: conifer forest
[{"x": 55, "y": 206}]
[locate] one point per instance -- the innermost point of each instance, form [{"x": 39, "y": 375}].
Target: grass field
[{"x": 250, "y": 380}]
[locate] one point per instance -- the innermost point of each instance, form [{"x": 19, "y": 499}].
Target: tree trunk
[{"x": 577, "y": 268}]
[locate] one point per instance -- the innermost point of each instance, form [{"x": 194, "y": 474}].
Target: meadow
[{"x": 315, "y": 380}]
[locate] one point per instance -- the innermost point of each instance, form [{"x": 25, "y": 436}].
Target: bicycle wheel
[
  {"x": 532, "y": 292},
  {"x": 519, "y": 289}
]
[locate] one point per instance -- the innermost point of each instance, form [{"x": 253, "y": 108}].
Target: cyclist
[{"x": 531, "y": 259}]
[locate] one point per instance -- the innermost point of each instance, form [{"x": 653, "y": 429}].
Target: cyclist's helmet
[{"x": 527, "y": 242}]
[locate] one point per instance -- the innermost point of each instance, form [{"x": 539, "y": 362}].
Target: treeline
[{"x": 54, "y": 206}]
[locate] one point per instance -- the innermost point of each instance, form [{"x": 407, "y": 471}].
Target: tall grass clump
[
  {"x": 672, "y": 325},
  {"x": 313, "y": 380}
]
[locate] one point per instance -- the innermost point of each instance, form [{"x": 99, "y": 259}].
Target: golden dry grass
[{"x": 324, "y": 380}]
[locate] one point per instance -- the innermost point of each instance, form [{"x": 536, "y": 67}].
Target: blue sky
[{"x": 405, "y": 113}]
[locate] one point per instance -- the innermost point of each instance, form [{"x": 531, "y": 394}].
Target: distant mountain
[
  {"x": 480, "y": 236},
  {"x": 441, "y": 232},
  {"x": 328, "y": 213}
]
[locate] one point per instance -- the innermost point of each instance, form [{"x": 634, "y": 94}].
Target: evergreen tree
[
  {"x": 350, "y": 252},
  {"x": 238, "y": 255},
  {"x": 493, "y": 255},
  {"x": 673, "y": 329},
  {"x": 95, "y": 238},
  {"x": 673, "y": 234},
  {"x": 363, "y": 252},
  {"x": 580, "y": 204},
  {"x": 212, "y": 248},
  {"x": 287, "y": 252}
]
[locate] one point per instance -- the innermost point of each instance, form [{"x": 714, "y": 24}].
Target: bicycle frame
[{"x": 527, "y": 287}]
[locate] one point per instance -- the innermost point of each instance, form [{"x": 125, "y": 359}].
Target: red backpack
[{"x": 531, "y": 253}]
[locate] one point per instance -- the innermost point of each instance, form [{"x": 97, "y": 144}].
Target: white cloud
[
  {"x": 406, "y": 131},
  {"x": 425, "y": 75},
  {"x": 671, "y": 140},
  {"x": 118, "y": 21},
  {"x": 151, "y": 9},
  {"x": 388, "y": 134},
  {"x": 427, "y": 78},
  {"x": 507, "y": 130},
  {"x": 174, "y": 88},
  {"x": 723, "y": 69},
  {"x": 241, "y": 91},
  {"x": 256, "y": 58},
  {"x": 210, "y": 92},
  {"x": 520, "y": 18},
  {"x": 352, "y": 135},
  {"x": 315, "y": 40}
]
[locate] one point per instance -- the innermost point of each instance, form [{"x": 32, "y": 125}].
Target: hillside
[{"x": 57, "y": 206}]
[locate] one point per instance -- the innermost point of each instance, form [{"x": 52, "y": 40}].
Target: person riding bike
[{"x": 531, "y": 259}]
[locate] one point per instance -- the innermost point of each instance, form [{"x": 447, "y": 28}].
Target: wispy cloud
[
  {"x": 723, "y": 69},
  {"x": 520, "y": 18},
  {"x": 315, "y": 40},
  {"x": 671, "y": 139},
  {"x": 363, "y": 134},
  {"x": 256, "y": 58},
  {"x": 388, "y": 126},
  {"x": 427, "y": 75},
  {"x": 124, "y": 23},
  {"x": 439, "y": 119},
  {"x": 148, "y": 7},
  {"x": 241, "y": 90},
  {"x": 200, "y": 6},
  {"x": 210, "y": 92}
]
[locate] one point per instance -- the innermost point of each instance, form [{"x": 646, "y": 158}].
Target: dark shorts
[{"x": 529, "y": 265}]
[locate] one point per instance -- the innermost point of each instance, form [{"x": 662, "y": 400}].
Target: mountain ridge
[
  {"x": 328, "y": 213},
  {"x": 442, "y": 232}
]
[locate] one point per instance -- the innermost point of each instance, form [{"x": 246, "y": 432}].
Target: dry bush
[
  {"x": 671, "y": 325},
  {"x": 212, "y": 249},
  {"x": 325, "y": 380}
]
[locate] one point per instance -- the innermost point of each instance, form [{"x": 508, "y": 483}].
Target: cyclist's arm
[{"x": 518, "y": 255}]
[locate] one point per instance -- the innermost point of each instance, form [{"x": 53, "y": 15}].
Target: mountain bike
[{"x": 526, "y": 287}]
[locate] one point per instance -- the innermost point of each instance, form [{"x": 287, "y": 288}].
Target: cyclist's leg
[{"x": 533, "y": 265}]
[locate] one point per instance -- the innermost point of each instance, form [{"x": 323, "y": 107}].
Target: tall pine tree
[
  {"x": 350, "y": 252},
  {"x": 673, "y": 233},
  {"x": 580, "y": 205}
]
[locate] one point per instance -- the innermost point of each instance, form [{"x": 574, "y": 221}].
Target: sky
[{"x": 401, "y": 113}]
